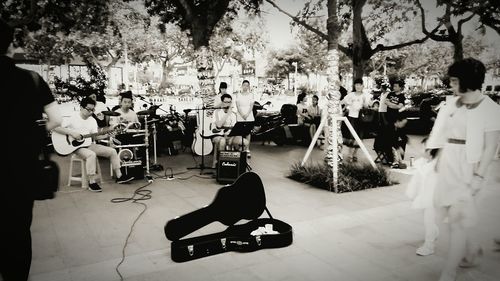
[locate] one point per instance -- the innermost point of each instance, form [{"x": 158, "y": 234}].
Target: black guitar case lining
[{"x": 235, "y": 238}]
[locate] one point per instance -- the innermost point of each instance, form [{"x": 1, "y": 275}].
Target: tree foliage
[
  {"x": 199, "y": 17},
  {"x": 367, "y": 30},
  {"x": 233, "y": 41},
  {"x": 281, "y": 63}
]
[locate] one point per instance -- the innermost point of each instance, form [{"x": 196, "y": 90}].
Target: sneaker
[
  {"x": 95, "y": 187},
  {"x": 124, "y": 178},
  {"x": 402, "y": 165},
  {"x": 425, "y": 250}
]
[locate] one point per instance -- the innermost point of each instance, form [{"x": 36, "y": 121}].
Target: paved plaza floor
[{"x": 364, "y": 235}]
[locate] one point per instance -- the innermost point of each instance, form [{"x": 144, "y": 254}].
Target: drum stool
[{"x": 83, "y": 178}]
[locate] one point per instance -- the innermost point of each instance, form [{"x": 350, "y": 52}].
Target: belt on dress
[{"x": 456, "y": 141}]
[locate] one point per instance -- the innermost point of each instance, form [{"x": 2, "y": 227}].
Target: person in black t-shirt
[
  {"x": 27, "y": 99},
  {"x": 395, "y": 100}
]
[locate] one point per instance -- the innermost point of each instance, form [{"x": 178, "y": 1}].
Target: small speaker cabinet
[{"x": 230, "y": 165}]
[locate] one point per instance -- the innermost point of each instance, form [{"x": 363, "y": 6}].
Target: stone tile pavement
[{"x": 365, "y": 235}]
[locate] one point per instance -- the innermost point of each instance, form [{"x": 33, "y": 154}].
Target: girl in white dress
[
  {"x": 421, "y": 189},
  {"x": 244, "y": 107},
  {"x": 466, "y": 131}
]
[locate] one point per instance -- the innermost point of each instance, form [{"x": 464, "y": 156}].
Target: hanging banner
[{"x": 248, "y": 68}]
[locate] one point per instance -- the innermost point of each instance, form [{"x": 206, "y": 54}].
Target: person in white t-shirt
[
  {"x": 127, "y": 115},
  {"x": 81, "y": 124},
  {"x": 354, "y": 102},
  {"x": 225, "y": 118},
  {"x": 244, "y": 102}
]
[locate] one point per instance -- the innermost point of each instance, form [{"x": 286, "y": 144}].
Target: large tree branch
[
  {"x": 92, "y": 53},
  {"x": 462, "y": 21},
  {"x": 452, "y": 33},
  {"x": 431, "y": 35},
  {"x": 301, "y": 22},
  {"x": 381, "y": 47},
  {"x": 318, "y": 32}
]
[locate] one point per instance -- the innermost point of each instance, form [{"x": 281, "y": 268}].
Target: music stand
[{"x": 241, "y": 128}]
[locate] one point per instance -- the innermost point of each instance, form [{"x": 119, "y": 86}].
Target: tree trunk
[
  {"x": 166, "y": 68},
  {"x": 206, "y": 81},
  {"x": 334, "y": 136},
  {"x": 358, "y": 37},
  {"x": 458, "y": 50}
]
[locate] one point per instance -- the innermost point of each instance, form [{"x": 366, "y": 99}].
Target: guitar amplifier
[{"x": 230, "y": 165}]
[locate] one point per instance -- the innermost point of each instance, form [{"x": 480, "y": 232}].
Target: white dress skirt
[
  {"x": 454, "y": 173},
  {"x": 422, "y": 184}
]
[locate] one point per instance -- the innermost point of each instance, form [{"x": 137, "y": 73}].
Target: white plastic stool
[{"x": 83, "y": 178}]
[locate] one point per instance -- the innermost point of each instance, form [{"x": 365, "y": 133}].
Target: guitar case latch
[
  {"x": 223, "y": 242},
  {"x": 191, "y": 250},
  {"x": 258, "y": 240}
]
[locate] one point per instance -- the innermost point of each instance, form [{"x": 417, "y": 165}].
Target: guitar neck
[{"x": 96, "y": 134}]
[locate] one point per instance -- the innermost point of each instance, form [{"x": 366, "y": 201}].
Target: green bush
[{"x": 352, "y": 176}]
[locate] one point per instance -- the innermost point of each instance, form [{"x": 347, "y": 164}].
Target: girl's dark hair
[
  {"x": 400, "y": 82},
  {"x": 470, "y": 73},
  {"x": 358, "y": 81},
  {"x": 222, "y": 85},
  {"x": 301, "y": 97},
  {"x": 87, "y": 100},
  {"x": 315, "y": 97}
]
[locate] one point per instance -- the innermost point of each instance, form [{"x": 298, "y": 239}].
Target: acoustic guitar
[
  {"x": 66, "y": 144},
  {"x": 213, "y": 131},
  {"x": 244, "y": 199},
  {"x": 202, "y": 146}
]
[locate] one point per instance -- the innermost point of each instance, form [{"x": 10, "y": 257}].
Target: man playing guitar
[
  {"x": 225, "y": 118},
  {"x": 81, "y": 124}
]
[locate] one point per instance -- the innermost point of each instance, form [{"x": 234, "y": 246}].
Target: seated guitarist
[
  {"x": 80, "y": 124},
  {"x": 225, "y": 118}
]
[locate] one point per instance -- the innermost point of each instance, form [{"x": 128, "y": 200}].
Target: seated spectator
[
  {"x": 302, "y": 109},
  {"x": 314, "y": 118}
]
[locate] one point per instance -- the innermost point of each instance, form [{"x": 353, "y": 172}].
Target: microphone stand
[
  {"x": 155, "y": 166},
  {"x": 202, "y": 165}
]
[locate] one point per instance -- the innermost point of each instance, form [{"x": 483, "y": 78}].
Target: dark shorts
[{"x": 346, "y": 133}]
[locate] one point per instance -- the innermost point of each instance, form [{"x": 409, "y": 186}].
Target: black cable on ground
[{"x": 145, "y": 194}]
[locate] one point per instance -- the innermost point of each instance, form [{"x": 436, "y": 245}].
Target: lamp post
[{"x": 295, "y": 78}]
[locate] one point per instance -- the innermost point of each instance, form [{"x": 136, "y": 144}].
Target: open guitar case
[{"x": 228, "y": 208}]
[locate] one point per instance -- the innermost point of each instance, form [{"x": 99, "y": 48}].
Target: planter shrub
[{"x": 352, "y": 176}]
